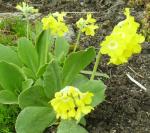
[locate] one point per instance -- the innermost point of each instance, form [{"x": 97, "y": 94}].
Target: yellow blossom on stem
[
  {"x": 26, "y": 9},
  {"x": 124, "y": 40},
  {"x": 90, "y": 30},
  {"x": 55, "y": 22},
  {"x": 70, "y": 103},
  {"x": 87, "y": 26}
]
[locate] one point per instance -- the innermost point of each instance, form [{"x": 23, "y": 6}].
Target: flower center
[{"x": 113, "y": 45}]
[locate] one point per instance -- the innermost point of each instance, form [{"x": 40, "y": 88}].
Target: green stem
[
  {"x": 27, "y": 19},
  {"x": 77, "y": 42},
  {"x": 96, "y": 65}
]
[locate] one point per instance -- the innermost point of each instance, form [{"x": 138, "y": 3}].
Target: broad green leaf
[
  {"x": 34, "y": 119},
  {"x": 1, "y": 88},
  {"x": 70, "y": 126},
  {"x": 34, "y": 96},
  {"x": 8, "y": 97},
  {"x": 28, "y": 54},
  {"x": 27, "y": 84},
  {"x": 11, "y": 77},
  {"x": 83, "y": 121},
  {"x": 7, "y": 54},
  {"x": 38, "y": 28},
  {"x": 75, "y": 63},
  {"x": 41, "y": 70},
  {"x": 52, "y": 79},
  {"x": 39, "y": 82},
  {"x": 61, "y": 48},
  {"x": 29, "y": 73},
  {"x": 97, "y": 87},
  {"x": 43, "y": 43},
  {"x": 79, "y": 80}
]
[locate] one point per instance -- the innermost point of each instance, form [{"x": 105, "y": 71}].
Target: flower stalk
[
  {"x": 77, "y": 42},
  {"x": 27, "y": 30},
  {"x": 26, "y": 11},
  {"x": 96, "y": 65}
]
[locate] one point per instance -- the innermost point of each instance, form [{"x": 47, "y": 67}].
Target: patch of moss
[
  {"x": 11, "y": 29},
  {"x": 8, "y": 115}
]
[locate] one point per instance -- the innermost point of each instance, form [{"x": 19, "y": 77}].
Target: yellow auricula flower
[
  {"x": 55, "y": 22},
  {"x": 26, "y": 9},
  {"x": 124, "y": 40},
  {"x": 70, "y": 103},
  {"x": 87, "y": 26}
]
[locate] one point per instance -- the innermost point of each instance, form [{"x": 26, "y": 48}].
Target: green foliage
[
  {"x": 52, "y": 79},
  {"x": 36, "y": 97},
  {"x": 70, "y": 126},
  {"x": 30, "y": 60},
  {"x": 8, "y": 116},
  {"x": 39, "y": 66},
  {"x": 34, "y": 94},
  {"x": 75, "y": 63},
  {"x": 15, "y": 24},
  {"x": 7, "y": 39},
  {"x": 42, "y": 47},
  {"x": 11, "y": 29},
  {"x": 97, "y": 87},
  {"x": 34, "y": 119},
  {"x": 9, "y": 55},
  {"x": 11, "y": 84},
  {"x": 8, "y": 97},
  {"x": 61, "y": 50}
]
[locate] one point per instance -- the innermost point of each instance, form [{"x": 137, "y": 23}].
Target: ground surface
[{"x": 127, "y": 106}]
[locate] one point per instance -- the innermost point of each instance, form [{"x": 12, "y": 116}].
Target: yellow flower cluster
[
  {"x": 71, "y": 103},
  {"x": 26, "y": 9},
  {"x": 123, "y": 41},
  {"x": 88, "y": 26},
  {"x": 55, "y": 22}
]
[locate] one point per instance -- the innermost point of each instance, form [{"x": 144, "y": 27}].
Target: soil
[{"x": 127, "y": 106}]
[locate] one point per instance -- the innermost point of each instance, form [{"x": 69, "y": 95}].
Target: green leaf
[
  {"x": 8, "y": 97},
  {"x": 61, "y": 48},
  {"x": 38, "y": 28},
  {"x": 29, "y": 73},
  {"x": 28, "y": 54},
  {"x": 39, "y": 82},
  {"x": 97, "y": 87},
  {"x": 79, "y": 80},
  {"x": 52, "y": 79},
  {"x": 75, "y": 63},
  {"x": 9, "y": 55},
  {"x": 34, "y": 119},
  {"x": 1, "y": 88},
  {"x": 70, "y": 126},
  {"x": 43, "y": 43},
  {"x": 27, "y": 84},
  {"x": 96, "y": 74},
  {"x": 34, "y": 96},
  {"x": 11, "y": 77},
  {"x": 41, "y": 70},
  {"x": 83, "y": 121}
]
